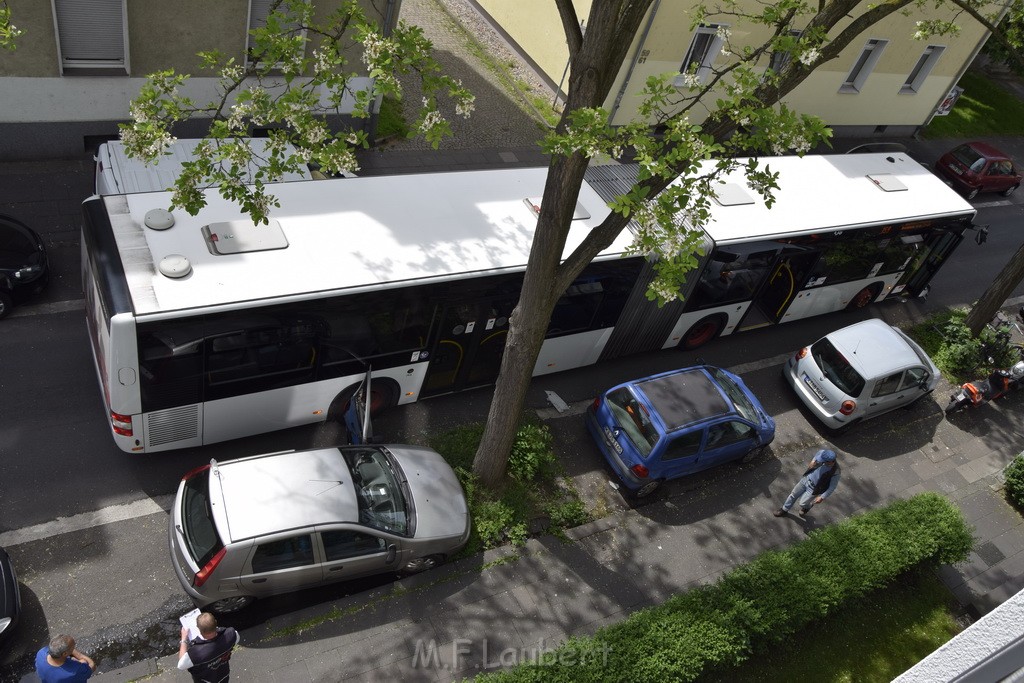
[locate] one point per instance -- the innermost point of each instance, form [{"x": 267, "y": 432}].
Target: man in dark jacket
[
  {"x": 817, "y": 484},
  {"x": 206, "y": 657}
]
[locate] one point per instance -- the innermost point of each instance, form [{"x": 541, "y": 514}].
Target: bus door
[
  {"x": 469, "y": 346},
  {"x": 778, "y": 290},
  {"x": 938, "y": 246}
]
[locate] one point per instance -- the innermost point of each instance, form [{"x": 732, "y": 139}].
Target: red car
[{"x": 979, "y": 167}]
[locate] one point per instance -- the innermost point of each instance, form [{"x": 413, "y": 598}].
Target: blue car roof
[{"x": 685, "y": 397}]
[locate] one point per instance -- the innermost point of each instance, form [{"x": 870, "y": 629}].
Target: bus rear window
[
  {"x": 836, "y": 368},
  {"x": 197, "y": 520}
]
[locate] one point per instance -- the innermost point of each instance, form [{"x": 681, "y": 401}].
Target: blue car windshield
[
  {"x": 633, "y": 419},
  {"x": 736, "y": 394}
]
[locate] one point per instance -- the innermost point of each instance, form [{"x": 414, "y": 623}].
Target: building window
[
  {"x": 864, "y": 65},
  {"x": 259, "y": 10},
  {"x": 781, "y": 58},
  {"x": 705, "y": 46},
  {"x": 921, "y": 70},
  {"x": 91, "y": 34}
]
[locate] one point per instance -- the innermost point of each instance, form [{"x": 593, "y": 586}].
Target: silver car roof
[
  {"x": 272, "y": 493},
  {"x": 874, "y": 348}
]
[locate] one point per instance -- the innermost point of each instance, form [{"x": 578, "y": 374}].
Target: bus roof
[
  {"x": 831, "y": 192},
  {"x": 330, "y": 235},
  {"x": 117, "y": 173}
]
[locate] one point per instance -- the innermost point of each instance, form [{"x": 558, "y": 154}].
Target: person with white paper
[{"x": 207, "y": 655}]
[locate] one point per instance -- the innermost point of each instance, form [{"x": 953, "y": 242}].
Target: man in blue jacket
[{"x": 817, "y": 484}]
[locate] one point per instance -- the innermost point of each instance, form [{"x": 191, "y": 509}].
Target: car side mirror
[{"x": 392, "y": 554}]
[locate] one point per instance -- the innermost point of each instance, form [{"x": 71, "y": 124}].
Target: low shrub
[
  {"x": 532, "y": 455},
  {"x": 762, "y": 602},
  {"x": 1014, "y": 474},
  {"x": 957, "y": 353},
  {"x": 532, "y": 491}
]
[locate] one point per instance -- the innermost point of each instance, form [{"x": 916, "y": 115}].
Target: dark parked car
[
  {"x": 979, "y": 167},
  {"x": 23, "y": 266},
  {"x": 677, "y": 423},
  {"x": 10, "y": 598}
]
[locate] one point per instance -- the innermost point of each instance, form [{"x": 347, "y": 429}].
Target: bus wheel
[
  {"x": 384, "y": 393},
  {"x": 864, "y": 297},
  {"x": 703, "y": 331}
]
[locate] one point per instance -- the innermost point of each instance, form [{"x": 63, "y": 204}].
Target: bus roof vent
[
  {"x": 731, "y": 194},
  {"x": 175, "y": 266},
  {"x": 242, "y": 237},
  {"x": 159, "y": 219},
  {"x": 887, "y": 182}
]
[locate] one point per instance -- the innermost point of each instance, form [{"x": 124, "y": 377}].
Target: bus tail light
[
  {"x": 640, "y": 471},
  {"x": 122, "y": 424},
  {"x": 848, "y": 407},
  {"x": 801, "y": 353},
  {"x": 205, "y": 572}
]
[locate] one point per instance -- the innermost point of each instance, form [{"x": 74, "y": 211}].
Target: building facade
[
  {"x": 79, "y": 63},
  {"x": 884, "y": 83}
]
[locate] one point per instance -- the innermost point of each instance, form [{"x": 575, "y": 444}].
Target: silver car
[
  {"x": 281, "y": 522},
  {"x": 859, "y": 372}
]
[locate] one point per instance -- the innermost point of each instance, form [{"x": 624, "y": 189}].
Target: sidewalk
[{"x": 501, "y": 607}]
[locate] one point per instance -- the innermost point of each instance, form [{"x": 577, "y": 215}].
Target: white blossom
[{"x": 809, "y": 57}]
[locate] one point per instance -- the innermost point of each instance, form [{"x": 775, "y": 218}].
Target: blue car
[{"x": 677, "y": 423}]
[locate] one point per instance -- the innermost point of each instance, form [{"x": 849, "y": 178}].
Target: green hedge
[
  {"x": 765, "y": 601},
  {"x": 1014, "y": 475}
]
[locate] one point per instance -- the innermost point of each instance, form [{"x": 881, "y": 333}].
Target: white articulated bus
[{"x": 209, "y": 328}]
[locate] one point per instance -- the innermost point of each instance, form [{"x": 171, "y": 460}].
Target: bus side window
[{"x": 169, "y": 375}]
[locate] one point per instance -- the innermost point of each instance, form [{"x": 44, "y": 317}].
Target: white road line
[{"x": 87, "y": 520}]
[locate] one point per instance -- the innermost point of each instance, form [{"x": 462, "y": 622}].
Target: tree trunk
[
  {"x": 1008, "y": 278},
  {"x": 529, "y": 322}
]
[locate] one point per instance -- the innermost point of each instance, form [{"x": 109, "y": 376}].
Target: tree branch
[
  {"x": 1012, "y": 50},
  {"x": 571, "y": 26}
]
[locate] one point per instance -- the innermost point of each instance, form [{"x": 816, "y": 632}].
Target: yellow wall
[{"x": 535, "y": 26}]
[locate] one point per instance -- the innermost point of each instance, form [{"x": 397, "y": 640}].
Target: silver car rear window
[
  {"x": 197, "y": 518},
  {"x": 836, "y": 368}
]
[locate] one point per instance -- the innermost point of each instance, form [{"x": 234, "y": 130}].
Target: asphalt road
[{"x": 110, "y": 581}]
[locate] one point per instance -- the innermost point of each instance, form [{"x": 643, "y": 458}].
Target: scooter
[{"x": 996, "y": 385}]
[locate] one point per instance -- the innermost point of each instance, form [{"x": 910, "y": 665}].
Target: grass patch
[
  {"x": 535, "y": 498},
  {"x": 960, "y": 356},
  {"x": 390, "y": 121},
  {"x": 984, "y": 109},
  {"x": 874, "y": 639},
  {"x": 503, "y": 73}
]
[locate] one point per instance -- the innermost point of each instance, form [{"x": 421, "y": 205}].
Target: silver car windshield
[
  {"x": 379, "y": 492},
  {"x": 836, "y": 368},
  {"x": 632, "y": 417}
]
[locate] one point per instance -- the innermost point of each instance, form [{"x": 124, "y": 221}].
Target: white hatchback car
[{"x": 860, "y": 371}]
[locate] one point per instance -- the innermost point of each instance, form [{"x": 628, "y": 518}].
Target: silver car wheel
[
  {"x": 422, "y": 564},
  {"x": 233, "y": 604}
]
